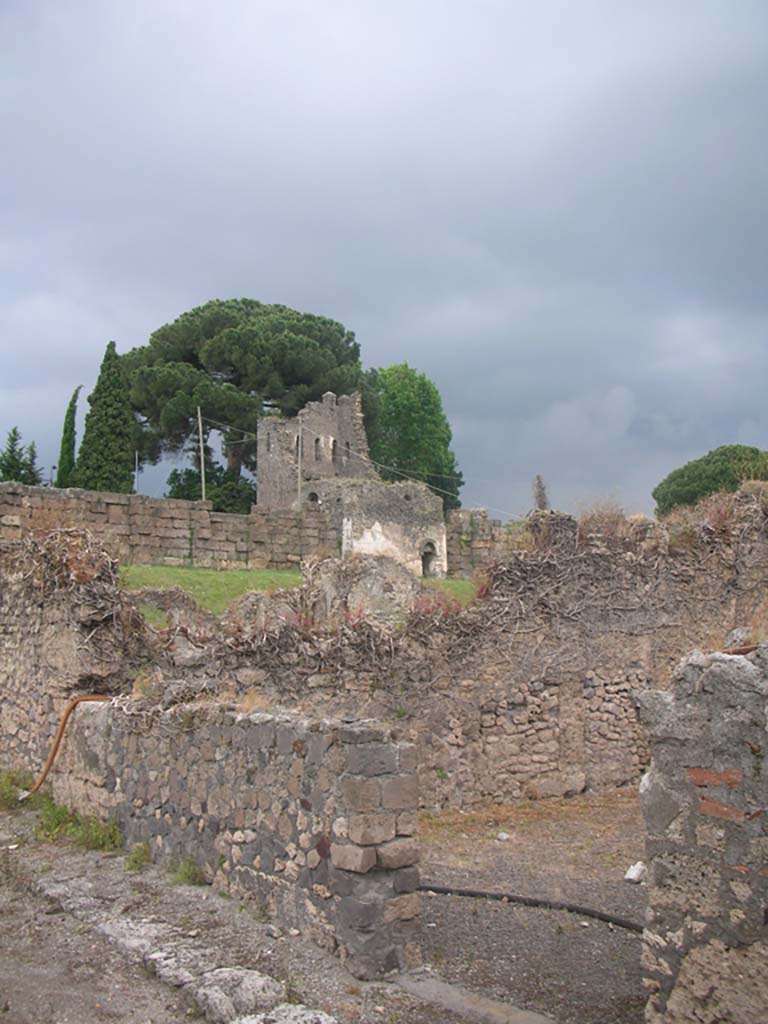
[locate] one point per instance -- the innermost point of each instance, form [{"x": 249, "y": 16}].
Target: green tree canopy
[
  {"x": 723, "y": 469},
  {"x": 66, "y": 465},
  {"x": 233, "y": 358},
  {"x": 105, "y": 461},
  {"x": 19, "y": 463},
  {"x": 408, "y": 431},
  {"x": 227, "y": 492}
]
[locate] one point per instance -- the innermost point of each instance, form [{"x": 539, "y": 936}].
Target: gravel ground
[
  {"x": 573, "y": 968},
  {"x": 56, "y": 967}
]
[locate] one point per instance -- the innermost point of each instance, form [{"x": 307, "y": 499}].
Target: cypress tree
[
  {"x": 33, "y": 475},
  {"x": 105, "y": 459},
  {"x": 67, "y": 452}
]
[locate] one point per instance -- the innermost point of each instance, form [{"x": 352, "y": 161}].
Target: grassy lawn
[
  {"x": 460, "y": 590},
  {"x": 213, "y": 589},
  {"x": 216, "y": 589}
]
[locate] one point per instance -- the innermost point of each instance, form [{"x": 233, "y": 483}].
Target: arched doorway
[{"x": 428, "y": 559}]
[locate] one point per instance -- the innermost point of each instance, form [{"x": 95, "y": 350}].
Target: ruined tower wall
[{"x": 333, "y": 444}]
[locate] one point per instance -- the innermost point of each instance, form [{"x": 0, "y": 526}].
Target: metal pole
[
  {"x": 298, "y": 464},
  {"x": 136, "y": 472},
  {"x": 202, "y": 451}
]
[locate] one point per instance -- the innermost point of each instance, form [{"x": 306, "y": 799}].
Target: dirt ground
[
  {"x": 573, "y": 968},
  {"x": 61, "y": 909}
]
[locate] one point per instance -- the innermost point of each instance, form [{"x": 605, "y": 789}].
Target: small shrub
[
  {"x": 717, "y": 511},
  {"x": 139, "y": 857},
  {"x": 187, "y": 872},
  {"x": 92, "y": 834},
  {"x": 11, "y": 785},
  {"x": 441, "y": 773},
  {"x": 683, "y": 535},
  {"x": 59, "y": 822},
  {"x": 758, "y": 489},
  {"x": 54, "y": 819}
]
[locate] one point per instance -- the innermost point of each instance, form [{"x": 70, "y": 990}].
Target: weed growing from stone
[
  {"x": 11, "y": 785},
  {"x": 186, "y": 872},
  {"x": 292, "y": 992},
  {"x": 59, "y": 822},
  {"x": 139, "y": 857}
]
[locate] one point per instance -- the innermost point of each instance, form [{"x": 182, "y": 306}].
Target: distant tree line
[{"x": 235, "y": 361}]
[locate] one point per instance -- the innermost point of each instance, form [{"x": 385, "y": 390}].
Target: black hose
[{"x": 535, "y": 901}]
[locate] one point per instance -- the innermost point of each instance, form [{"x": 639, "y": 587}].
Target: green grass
[
  {"x": 213, "y": 589},
  {"x": 216, "y": 589},
  {"x": 460, "y": 590},
  {"x": 154, "y": 617},
  {"x": 58, "y": 822},
  {"x": 11, "y": 784},
  {"x": 187, "y": 872},
  {"x": 139, "y": 856}
]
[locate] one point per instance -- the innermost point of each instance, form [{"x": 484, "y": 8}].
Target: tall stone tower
[{"x": 324, "y": 441}]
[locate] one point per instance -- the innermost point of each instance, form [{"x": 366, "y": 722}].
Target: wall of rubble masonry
[
  {"x": 705, "y": 802},
  {"x": 315, "y": 820}
]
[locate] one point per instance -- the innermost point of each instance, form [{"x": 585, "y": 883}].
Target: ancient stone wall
[
  {"x": 315, "y": 820},
  {"x": 533, "y": 689},
  {"x": 161, "y": 531},
  {"x": 530, "y": 691},
  {"x": 396, "y": 520},
  {"x": 705, "y": 802},
  {"x": 64, "y": 630},
  {"x": 313, "y": 817},
  {"x": 474, "y": 541}
]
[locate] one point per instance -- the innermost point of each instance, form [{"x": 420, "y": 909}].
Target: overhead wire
[{"x": 250, "y": 436}]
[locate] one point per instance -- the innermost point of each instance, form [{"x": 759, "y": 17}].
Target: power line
[
  {"x": 432, "y": 487},
  {"x": 250, "y": 436}
]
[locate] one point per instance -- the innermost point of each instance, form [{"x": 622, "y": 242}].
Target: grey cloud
[{"x": 557, "y": 211}]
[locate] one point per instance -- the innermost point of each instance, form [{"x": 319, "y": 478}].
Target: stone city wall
[
  {"x": 161, "y": 531},
  {"x": 705, "y": 802},
  {"x": 530, "y": 691}
]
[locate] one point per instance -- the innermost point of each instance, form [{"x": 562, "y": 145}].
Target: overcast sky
[{"x": 556, "y": 210}]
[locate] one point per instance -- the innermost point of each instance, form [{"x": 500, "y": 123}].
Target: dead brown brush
[{"x": 606, "y": 521}]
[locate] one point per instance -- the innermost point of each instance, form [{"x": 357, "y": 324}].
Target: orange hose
[{"x": 60, "y": 733}]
